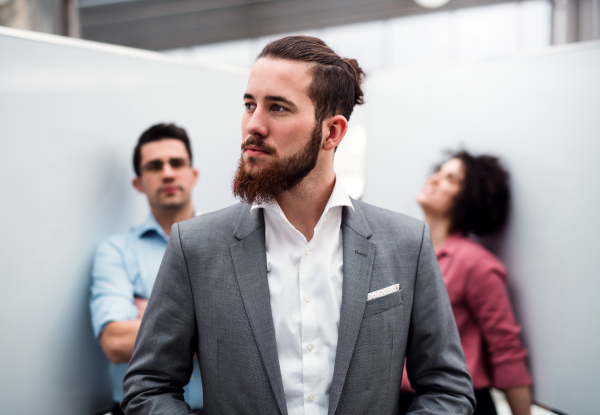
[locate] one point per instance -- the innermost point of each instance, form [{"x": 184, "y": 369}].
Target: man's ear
[
  {"x": 137, "y": 183},
  {"x": 196, "y": 176},
  {"x": 334, "y": 129}
]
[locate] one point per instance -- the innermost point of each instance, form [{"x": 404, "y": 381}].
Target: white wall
[
  {"x": 540, "y": 114},
  {"x": 70, "y": 114}
]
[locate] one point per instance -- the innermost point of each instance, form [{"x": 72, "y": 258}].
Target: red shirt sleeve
[{"x": 488, "y": 301}]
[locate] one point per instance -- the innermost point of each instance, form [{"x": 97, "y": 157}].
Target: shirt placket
[
  {"x": 308, "y": 329},
  {"x": 309, "y": 296}
]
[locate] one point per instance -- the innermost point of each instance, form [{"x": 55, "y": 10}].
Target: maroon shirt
[{"x": 476, "y": 284}]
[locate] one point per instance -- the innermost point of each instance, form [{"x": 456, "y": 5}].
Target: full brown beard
[{"x": 277, "y": 176}]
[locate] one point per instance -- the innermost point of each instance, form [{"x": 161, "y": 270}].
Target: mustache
[
  {"x": 277, "y": 176},
  {"x": 259, "y": 144}
]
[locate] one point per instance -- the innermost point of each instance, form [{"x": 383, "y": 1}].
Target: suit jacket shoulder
[{"x": 223, "y": 220}]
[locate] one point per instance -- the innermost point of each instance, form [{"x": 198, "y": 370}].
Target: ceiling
[{"x": 167, "y": 24}]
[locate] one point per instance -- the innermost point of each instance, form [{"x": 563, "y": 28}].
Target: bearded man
[{"x": 299, "y": 300}]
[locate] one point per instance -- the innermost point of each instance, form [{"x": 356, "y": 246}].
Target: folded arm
[
  {"x": 116, "y": 315},
  {"x": 118, "y": 337},
  {"x": 435, "y": 361}
]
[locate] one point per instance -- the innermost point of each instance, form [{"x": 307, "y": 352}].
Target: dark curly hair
[{"x": 482, "y": 205}]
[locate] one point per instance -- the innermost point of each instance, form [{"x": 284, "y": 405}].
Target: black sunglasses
[{"x": 157, "y": 165}]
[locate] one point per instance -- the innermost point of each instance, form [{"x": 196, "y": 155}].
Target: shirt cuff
[
  {"x": 103, "y": 318},
  {"x": 511, "y": 375}
]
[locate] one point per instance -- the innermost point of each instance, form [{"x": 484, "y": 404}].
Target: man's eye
[
  {"x": 249, "y": 106},
  {"x": 155, "y": 165},
  {"x": 177, "y": 163},
  {"x": 279, "y": 108}
]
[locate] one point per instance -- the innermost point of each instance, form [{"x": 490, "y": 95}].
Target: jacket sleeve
[
  {"x": 435, "y": 362},
  {"x": 162, "y": 360}
]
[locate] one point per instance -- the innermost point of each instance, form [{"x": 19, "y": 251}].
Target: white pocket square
[{"x": 383, "y": 292}]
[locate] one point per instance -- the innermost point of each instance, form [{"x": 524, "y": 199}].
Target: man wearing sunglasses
[{"x": 126, "y": 264}]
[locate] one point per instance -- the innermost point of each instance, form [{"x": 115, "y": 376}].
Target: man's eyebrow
[
  {"x": 277, "y": 98},
  {"x": 274, "y": 98}
]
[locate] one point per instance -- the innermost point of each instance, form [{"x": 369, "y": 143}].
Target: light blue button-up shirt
[{"x": 125, "y": 266}]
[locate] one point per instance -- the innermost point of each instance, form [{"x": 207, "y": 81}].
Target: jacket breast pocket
[{"x": 381, "y": 304}]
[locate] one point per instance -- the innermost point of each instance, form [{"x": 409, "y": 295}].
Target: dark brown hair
[
  {"x": 482, "y": 205},
  {"x": 335, "y": 88},
  {"x": 155, "y": 133}
]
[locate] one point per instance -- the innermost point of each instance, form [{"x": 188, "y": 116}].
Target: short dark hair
[
  {"x": 336, "y": 85},
  {"x": 155, "y": 133},
  {"x": 482, "y": 205}
]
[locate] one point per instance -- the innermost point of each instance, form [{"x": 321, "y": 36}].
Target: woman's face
[{"x": 440, "y": 189}]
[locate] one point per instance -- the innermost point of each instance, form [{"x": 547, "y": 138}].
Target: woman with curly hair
[{"x": 470, "y": 195}]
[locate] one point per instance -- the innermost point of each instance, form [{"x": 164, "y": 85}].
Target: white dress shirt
[{"x": 305, "y": 283}]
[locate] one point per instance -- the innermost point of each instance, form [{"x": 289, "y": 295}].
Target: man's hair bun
[{"x": 358, "y": 75}]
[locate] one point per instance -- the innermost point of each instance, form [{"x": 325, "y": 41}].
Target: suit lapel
[
  {"x": 359, "y": 254},
  {"x": 250, "y": 262}
]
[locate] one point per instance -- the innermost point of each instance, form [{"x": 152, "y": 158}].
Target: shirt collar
[
  {"x": 449, "y": 245},
  {"x": 150, "y": 225},
  {"x": 339, "y": 197}
]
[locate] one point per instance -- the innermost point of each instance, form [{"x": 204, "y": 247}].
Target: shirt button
[
  {"x": 307, "y": 298},
  {"x": 311, "y": 397},
  {"x": 309, "y": 347},
  {"x": 307, "y": 250}
]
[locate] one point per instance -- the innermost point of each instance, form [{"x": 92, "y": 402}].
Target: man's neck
[
  {"x": 304, "y": 205},
  {"x": 440, "y": 227},
  {"x": 167, "y": 217}
]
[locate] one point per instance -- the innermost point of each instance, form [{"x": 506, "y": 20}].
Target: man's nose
[
  {"x": 168, "y": 171},
  {"x": 258, "y": 123}
]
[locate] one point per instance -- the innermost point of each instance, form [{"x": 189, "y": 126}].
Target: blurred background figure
[
  {"x": 469, "y": 195},
  {"x": 126, "y": 264}
]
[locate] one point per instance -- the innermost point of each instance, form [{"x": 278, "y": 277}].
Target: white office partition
[
  {"x": 70, "y": 114},
  {"x": 541, "y": 115}
]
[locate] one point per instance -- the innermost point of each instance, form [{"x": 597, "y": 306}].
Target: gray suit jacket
[{"x": 211, "y": 297}]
